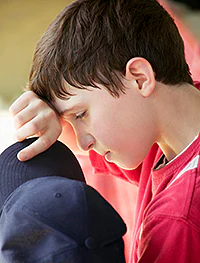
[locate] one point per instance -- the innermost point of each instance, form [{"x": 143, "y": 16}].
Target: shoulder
[{"x": 179, "y": 198}]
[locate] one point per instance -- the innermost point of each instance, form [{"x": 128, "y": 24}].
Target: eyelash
[{"x": 80, "y": 116}]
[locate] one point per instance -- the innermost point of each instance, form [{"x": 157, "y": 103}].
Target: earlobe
[{"x": 140, "y": 70}]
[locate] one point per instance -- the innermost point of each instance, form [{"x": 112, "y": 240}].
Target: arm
[{"x": 33, "y": 117}]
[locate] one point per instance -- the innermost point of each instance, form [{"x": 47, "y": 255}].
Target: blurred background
[{"x": 22, "y": 23}]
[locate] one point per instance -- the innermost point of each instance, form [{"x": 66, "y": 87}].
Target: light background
[{"x": 22, "y": 23}]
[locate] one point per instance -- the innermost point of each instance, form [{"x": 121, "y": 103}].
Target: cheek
[
  {"x": 134, "y": 148},
  {"x": 125, "y": 130},
  {"x": 128, "y": 141},
  {"x": 111, "y": 131},
  {"x": 103, "y": 132}
]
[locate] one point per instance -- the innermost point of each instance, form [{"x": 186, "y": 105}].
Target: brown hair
[{"x": 91, "y": 41}]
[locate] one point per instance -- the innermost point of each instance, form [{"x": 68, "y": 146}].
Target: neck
[{"x": 179, "y": 122}]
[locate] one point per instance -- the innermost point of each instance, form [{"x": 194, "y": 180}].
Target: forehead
[{"x": 78, "y": 97}]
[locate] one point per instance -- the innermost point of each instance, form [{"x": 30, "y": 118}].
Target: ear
[{"x": 140, "y": 70}]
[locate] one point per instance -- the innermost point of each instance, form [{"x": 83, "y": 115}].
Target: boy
[{"x": 116, "y": 71}]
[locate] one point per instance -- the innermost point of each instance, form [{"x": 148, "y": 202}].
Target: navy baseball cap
[
  {"x": 55, "y": 219},
  {"x": 49, "y": 217},
  {"x": 57, "y": 160}
]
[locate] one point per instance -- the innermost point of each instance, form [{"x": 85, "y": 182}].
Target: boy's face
[{"x": 120, "y": 129}]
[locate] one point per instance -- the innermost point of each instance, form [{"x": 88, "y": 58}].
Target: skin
[
  {"x": 122, "y": 129},
  {"x": 100, "y": 124},
  {"x": 33, "y": 117}
]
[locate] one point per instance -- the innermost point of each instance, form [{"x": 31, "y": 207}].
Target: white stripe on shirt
[{"x": 191, "y": 165}]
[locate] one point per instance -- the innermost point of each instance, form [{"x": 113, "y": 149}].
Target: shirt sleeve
[{"x": 166, "y": 240}]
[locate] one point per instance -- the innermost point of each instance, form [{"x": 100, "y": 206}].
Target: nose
[{"x": 85, "y": 141}]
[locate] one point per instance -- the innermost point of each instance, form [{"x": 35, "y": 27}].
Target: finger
[
  {"x": 21, "y": 102},
  {"x": 37, "y": 110},
  {"x": 37, "y": 147},
  {"x": 24, "y": 116},
  {"x": 30, "y": 128}
]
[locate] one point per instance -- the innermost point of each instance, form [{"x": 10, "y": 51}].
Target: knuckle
[
  {"x": 40, "y": 103},
  {"x": 29, "y": 95},
  {"x": 46, "y": 142},
  {"x": 51, "y": 113},
  {"x": 17, "y": 136},
  {"x": 26, "y": 97},
  {"x": 18, "y": 120},
  {"x": 34, "y": 127}
]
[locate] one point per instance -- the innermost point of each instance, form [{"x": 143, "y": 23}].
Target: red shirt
[
  {"x": 166, "y": 235},
  {"x": 170, "y": 227}
]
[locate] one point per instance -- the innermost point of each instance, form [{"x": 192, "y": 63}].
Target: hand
[{"x": 33, "y": 117}]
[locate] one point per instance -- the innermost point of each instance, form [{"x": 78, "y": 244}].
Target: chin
[{"x": 127, "y": 166}]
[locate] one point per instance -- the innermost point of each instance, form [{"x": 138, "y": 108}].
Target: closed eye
[{"x": 81, "y": 115}]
